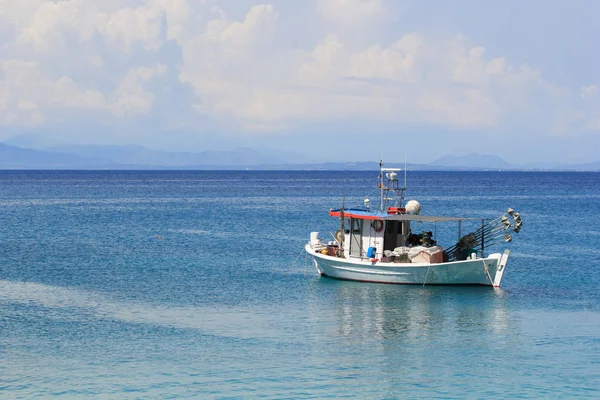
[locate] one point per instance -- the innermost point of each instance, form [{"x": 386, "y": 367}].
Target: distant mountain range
[
  {"x": 473, "y": 160},
  {"x": 31, "y": 151},
  {"x": 139, "y": 155},
  {"x": 31, "y": 141},
  {"x": 34, "y": 151},
  {"x": 12, "y": 157}
]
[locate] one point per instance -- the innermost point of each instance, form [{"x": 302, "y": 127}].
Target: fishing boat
[{"x": 383, "y": 244}]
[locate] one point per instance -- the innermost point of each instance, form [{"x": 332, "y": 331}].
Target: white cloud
[
  {"x": 71, "y": 55},
  {"x": 68, "y": 95},
  {"x": 25, "y": 90},
  {"x": 131, "y": 97},
  {"x": 21, "y": 89},
  {"x": 594, "y": 125},
  {"x": 395, "y": 63},
  {"x": 120, "y": 57},
  {"x": 351, "y": 12},
  {"x": 588, "y": 92},
  {"x": 27, "y": 105},
  {"x": 413, "y": 80},
  {"x": 258, "y": 26},
  {"x": 592, "y": 107},
  {"x": 229, "y": 60},
  {"x": 51, "y": 23}
]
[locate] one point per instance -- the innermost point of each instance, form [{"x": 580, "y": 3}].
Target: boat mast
[
  {"x": 391, "y": 192},
  {"x": 381, "y": 203},
  {"x": 404, "y": 171},
  {"x": 342, "y": 237}
]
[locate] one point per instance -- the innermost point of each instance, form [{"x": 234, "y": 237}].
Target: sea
[{"x": 194, "y": 284}]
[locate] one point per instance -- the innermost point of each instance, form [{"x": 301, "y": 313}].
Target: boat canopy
[{"x": 362, "y": 214}]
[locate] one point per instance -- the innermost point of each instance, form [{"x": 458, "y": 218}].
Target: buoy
[
  {"x": 377, "y": 225},
  {"x": 159, "y": 237}
]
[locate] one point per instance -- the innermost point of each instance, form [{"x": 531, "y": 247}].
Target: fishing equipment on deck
[{"x": 489, "y": 234}]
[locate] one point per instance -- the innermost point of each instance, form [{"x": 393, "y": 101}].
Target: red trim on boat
[
  {"x": 396, "y": 210},
  {"x": 351, "y": 215}
]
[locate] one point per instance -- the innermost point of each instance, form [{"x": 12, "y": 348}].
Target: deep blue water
[{"x": 184, "y": 284}]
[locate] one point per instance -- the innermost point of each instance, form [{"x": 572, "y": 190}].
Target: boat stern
[{"x": 501, "y": 268}]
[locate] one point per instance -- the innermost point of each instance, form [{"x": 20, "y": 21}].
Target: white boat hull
[{"x": 483, "y": 271}]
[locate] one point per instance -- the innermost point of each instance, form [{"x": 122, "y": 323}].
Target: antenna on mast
[
  {"x": 380, "y": 183},
  {"x": 404, "y": 169}
]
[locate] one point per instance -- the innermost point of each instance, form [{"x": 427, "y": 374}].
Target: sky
[{"x": 334, "y": 80}]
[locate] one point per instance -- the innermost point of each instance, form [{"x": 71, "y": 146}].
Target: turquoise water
[{"x": 185, "y": 284}]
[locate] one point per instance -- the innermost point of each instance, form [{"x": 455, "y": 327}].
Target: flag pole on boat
[
  {"x": 404, "y": 173},
  {"x": 342, "y": 232},
  {"x": 381, "y": 205}
]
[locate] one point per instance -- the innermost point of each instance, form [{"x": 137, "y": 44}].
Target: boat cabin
[
  {"x": 383, "y": 233},
  {"x": 385, "y": 237}
]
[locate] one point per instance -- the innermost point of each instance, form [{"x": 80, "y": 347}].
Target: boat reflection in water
[
  {"x": 381, "y": 312},
  {"x": 402, "y": 339}
]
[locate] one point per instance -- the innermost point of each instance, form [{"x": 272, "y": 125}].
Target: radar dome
[{"x": 413, "y": 207}]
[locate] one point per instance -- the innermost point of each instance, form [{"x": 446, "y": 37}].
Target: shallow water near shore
[{"x": 194, "y": 284}]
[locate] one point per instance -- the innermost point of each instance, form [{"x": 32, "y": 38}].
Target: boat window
[
  {"x": 355, "y": 238},
  {"x": 390, "y": 241},
  {"x": 395, "y": 234}
]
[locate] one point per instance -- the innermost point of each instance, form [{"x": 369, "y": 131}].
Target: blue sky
[{"x": 332, "y": 79}]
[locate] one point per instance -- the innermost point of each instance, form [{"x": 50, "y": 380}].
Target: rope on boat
[
  {"x": 297, "y": 258},
  {"x": 487, "y": 272},
  {"x": 427, "y": 274},
  {"x": 306, "y": 265}
]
